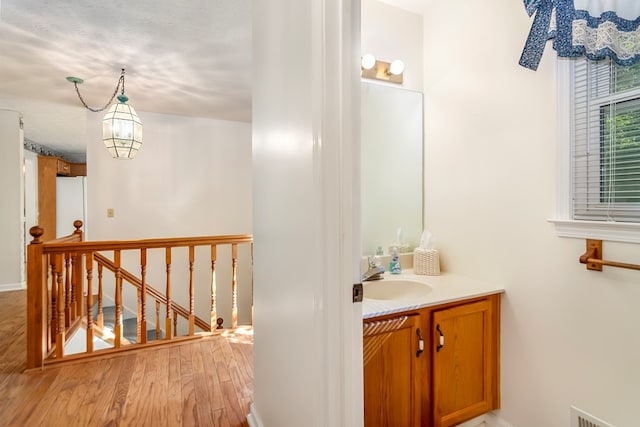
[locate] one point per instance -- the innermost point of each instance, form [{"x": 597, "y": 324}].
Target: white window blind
[{"x": 606, "y": 141}]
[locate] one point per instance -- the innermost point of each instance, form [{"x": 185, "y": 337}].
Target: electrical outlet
[{"x": 110, "y": 213}]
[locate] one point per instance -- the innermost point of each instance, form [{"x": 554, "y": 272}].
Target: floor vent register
[{"x": 579, "y": 418}]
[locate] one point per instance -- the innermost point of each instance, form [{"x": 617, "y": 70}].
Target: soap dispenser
[{"x": 394, "y": 264}]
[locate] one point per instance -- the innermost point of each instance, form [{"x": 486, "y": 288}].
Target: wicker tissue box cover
[{"x": 426, "y": 261}]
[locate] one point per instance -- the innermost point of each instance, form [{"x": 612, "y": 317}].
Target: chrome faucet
[{"x": 375, "y": 271}]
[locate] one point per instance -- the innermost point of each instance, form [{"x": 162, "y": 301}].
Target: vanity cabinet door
[
  {"x": 392, "y": 360},
  {"x": 465, "y": 361}
]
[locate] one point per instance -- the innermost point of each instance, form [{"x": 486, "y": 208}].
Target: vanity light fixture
[
  {"x": 121, "y": 126},
  {"x": 380, "y": 70}
]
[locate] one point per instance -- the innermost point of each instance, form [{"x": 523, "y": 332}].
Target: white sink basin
[{"x": 395, "y": 289}]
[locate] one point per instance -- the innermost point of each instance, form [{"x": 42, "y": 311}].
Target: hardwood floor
[{"x": 206, "y": 382}]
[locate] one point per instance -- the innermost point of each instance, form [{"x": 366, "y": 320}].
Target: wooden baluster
[
  {"x": 192, "y": 314},
  {"x": 89, "y": 265},
  {"x": 118, "y": 321},
  {"x": 75, "y": 296},
  {"x": 142, "y": 324},
  {"x": 73, "y": 309},
  {"x": 60, "y": 338},
  {"x": 168, "y": 316},
  {"x": 158, "y": 320},
  {"x": 234, "y": 286},
  {"x": 77, "y": 281},
  {"x": 175, "y": 323},
  {"x": 139, "y": 316},
  {"x": 214, "y": 311},
  {"x": 100, "y": 317},
  {"x": 53, "y": 324},
  {"x": 67, "y": 289}
]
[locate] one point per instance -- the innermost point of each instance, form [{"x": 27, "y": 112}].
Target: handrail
[
  {"x": 593, "y": 258},
  {"x": 58, "y": 299},
  {"x": 56, "y": 246}
]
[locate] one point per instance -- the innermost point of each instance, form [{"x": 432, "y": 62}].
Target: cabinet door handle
[
  {"x": 441, "y": 343},
  {"x": 420, "y": 343}
]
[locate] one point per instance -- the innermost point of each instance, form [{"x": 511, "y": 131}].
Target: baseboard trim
[
  {"x": 252, "y": 417},
  {"x": 12, "y": 287},
  {"x": 480, "y": 421},
  {"x": 493, "y": 420},
  {"x": 486, "y": 420}
]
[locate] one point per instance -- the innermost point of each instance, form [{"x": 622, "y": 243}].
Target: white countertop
[{"x": 445, "y": 288}]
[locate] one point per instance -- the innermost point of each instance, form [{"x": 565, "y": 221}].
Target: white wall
[
  {"x": 569, "y": 336},
  {"x": 192, "y": 177},
  {"x": 30, "y": 199},
  {"x": 12, "y": 197},
  {"x": 390, "y": 33},
  {"x": 308, "y": 333}
]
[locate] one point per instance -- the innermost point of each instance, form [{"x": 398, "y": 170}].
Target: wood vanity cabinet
[
  {"x": 392, "y": 396},
  {"x": 455, "y": 379},
  {"x": 465, "y": 360}
]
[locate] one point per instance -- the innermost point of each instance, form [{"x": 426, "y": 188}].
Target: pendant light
[{"x": 121, "y": 126}]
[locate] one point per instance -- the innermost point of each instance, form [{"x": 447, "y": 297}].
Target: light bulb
[
  {"x": 396, "y": 67},
  {"x": 368, "y": 61}
]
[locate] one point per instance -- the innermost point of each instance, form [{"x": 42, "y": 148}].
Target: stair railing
[{"x": 58, "y": 300}]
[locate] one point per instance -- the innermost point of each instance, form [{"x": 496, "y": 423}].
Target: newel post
[{"x": 36, "y": 300}]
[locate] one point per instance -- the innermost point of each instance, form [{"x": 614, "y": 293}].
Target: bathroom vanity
[{"x": 431, "y": 349}]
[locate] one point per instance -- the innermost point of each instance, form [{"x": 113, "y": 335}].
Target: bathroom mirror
[{"x": 391, "y": 164}]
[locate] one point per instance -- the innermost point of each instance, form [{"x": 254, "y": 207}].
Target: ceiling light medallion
[{"x": 121, "y": 126}]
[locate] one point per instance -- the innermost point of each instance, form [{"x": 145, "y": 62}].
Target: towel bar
[{"x": 593, "y": 258}]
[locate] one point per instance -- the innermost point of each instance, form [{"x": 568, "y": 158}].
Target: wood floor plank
[
  {"x": 94, "y": 397},
  {"x": 50, "y": 405},
  {"x": 68, "y": 402},
  {"x": 221, "y": 354},
  {"x": 242, "y": 378},
  {"x": 158, "y": 386},
  {"x": 12, "y": 331},
  {"x": 235, "y": 413},
  {"x": 220, "y": 418},
  {"x": 174, "y": 390},
  {"x": 187, "y": 388},
  {"x": 147, "y": 405},
  {"x": 28, "y": 391},
  {"x": 205, "y": 382},
  {"x": 135, "y": 392},
  {"x": 205, "y": 385},
  {"x": 108, "y": 388}
]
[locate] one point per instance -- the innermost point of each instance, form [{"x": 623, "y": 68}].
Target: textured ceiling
[{"x": 182, "y": 57}]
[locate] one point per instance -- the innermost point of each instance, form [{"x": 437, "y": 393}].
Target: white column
[
  {"x": 12, "y": 197},
  {"x": 308, "y": 336}
]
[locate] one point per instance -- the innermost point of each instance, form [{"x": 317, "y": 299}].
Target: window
[
  {"x": 599, "y": 172},
  {"x": 606, "y": 141}
]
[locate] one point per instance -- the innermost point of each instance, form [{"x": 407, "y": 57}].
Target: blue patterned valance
[{"x": 595, "y": 29}]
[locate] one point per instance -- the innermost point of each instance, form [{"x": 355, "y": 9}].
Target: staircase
[
  {"x": 129, "y": 323},
  {"x": 104, "y": 339}
]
